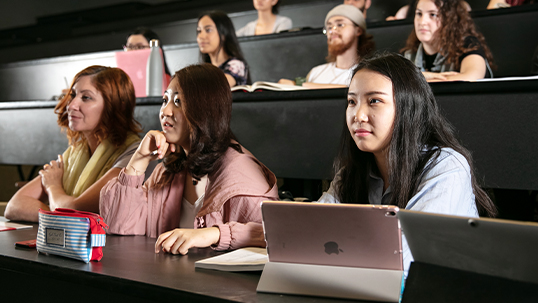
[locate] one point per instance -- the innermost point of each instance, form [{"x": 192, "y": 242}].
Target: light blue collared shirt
[{"x": 445, "y": 188}]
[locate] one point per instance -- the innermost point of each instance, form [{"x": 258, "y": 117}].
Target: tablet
[
  {"x": 351, "y": 235},
  {"x": 494, "y": 247}
]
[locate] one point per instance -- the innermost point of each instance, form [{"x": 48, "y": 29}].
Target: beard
[{"x": 337, "y": 48}]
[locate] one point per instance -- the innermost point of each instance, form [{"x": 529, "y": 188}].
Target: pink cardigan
[{"x": 232, "y": 202}]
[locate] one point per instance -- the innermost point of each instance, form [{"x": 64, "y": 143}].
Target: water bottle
[{"x": 154, "y": 70}]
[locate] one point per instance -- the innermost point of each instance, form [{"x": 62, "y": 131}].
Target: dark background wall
[{"x": 31, "y": 29}]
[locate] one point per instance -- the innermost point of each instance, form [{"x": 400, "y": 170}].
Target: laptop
[
  {"x": 501, "y": 248},
  {"x": 134, "y": 64},
  {"x": 353, "y": 235}
]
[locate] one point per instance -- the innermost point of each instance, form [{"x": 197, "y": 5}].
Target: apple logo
[{"x": 332, "y": 247}]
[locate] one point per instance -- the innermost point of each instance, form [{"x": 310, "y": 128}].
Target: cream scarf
[{"x": 81, "y": 171}]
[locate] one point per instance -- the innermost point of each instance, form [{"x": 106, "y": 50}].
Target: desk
[{"x": 129, "y": 270}]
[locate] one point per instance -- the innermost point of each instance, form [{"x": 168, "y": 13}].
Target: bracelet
[{"x": 137, "y": 172}]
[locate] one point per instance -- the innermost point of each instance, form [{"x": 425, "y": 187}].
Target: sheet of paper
[
  {"x": 249, "y": 258},
  {"x": 7, "y": 225}
]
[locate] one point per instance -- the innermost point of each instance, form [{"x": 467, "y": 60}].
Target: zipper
[{"x": 66, "y": 212}]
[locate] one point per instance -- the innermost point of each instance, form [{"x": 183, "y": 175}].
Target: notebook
[
  {"x": 494, "y": 247},
  {"x": 351, "y": 235},
  {"x": 134, "y": 63}
]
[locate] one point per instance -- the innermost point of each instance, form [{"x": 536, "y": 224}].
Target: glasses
[
  {"x": 130, "y": 47},
  {"x": 337, "y": 27}
]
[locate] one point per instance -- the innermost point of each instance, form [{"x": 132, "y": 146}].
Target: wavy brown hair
[
  {"x": 456, "y": 25},
  {"x": 206, "y": 101},
  {"x": 117, "y": 119}
]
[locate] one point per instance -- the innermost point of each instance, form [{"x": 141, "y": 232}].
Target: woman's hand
[
  {"x": 433, "y": 77},
  {"x": 155, "y": 141},
  {"x": 286, "y": 81},
  {"x": 179, "y": 240},
  {"x": 52, "y": 174},
  {"x": 154, "y": 146}
]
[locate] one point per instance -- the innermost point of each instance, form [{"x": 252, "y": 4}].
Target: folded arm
[
  {"x": 240, "y": 223},
  {"x": 46, "y": 192},
  {"x": 473, "y": 67},
  {"x": 87, "y": 201},
  {"x": 25, "y": 204}
]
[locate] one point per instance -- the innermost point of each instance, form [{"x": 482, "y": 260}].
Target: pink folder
[{"x": 134, "y": 64}]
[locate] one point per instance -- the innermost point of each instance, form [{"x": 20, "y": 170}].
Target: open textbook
[
  {"x": 244, "y": 259},
  {"x": 260, "y": 85}
]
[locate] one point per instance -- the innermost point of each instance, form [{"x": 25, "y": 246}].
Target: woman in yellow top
[{"x": 98, "y": 115}]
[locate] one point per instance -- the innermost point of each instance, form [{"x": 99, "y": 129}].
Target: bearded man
[{"x": 347, "y": 42}]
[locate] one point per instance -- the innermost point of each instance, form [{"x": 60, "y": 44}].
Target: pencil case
[{"x": 71, "y": 233}]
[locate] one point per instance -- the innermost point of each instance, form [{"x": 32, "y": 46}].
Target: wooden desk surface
[{"x": 129, "y": 270}]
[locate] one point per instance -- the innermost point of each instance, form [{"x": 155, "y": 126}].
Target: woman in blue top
[
  {"x": 218, "y": 45},
  {"x": 398, "y": 149}
]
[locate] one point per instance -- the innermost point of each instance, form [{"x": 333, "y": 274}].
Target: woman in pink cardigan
[{"x": 207, "y": 190}]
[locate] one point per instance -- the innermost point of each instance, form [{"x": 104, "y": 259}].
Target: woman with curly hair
[
  {"x": 445, "y": 44},
  {"x": 207, "y": 190},
  {"x": 98, "y": 114}
]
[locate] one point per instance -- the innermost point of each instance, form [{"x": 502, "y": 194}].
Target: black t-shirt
[
  {"x": 428, "y": 61},
  {"x": 470, "y": 41}
]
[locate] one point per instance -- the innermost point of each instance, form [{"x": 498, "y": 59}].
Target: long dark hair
[
  {"x": 150, "y": 35},
  {"x": 456, "y": 25},
  {"x": 418, "y": 128},
  {"x": 274, "y": 9},
  {"x": 207, "y": 104},
  {"x": 228, "y": 39}
]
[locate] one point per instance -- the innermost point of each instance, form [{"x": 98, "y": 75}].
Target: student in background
[
  {"x": 408, "y": 11},
  {"x": 218, "y": 45},
  {"x": 98, "y": 113},
  {"x": 397, "y": 148},
  {"x": 140, "y": 38},
  {"x": 347, "y": 43},
  {"x": 362, "y": 5},
  {"x": 445, "y": 44},
  {"x": 268, "y": 21},
  {"x": 493, "y": 4},
  {"x": 207, "y": 190}
]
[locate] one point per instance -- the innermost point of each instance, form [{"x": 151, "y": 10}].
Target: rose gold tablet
[{"x": 333, "y": 234}]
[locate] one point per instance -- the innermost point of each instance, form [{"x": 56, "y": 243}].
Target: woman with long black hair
[
  {"x": 218, "y": 45},
  {"x": 397, "y": 148}
]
